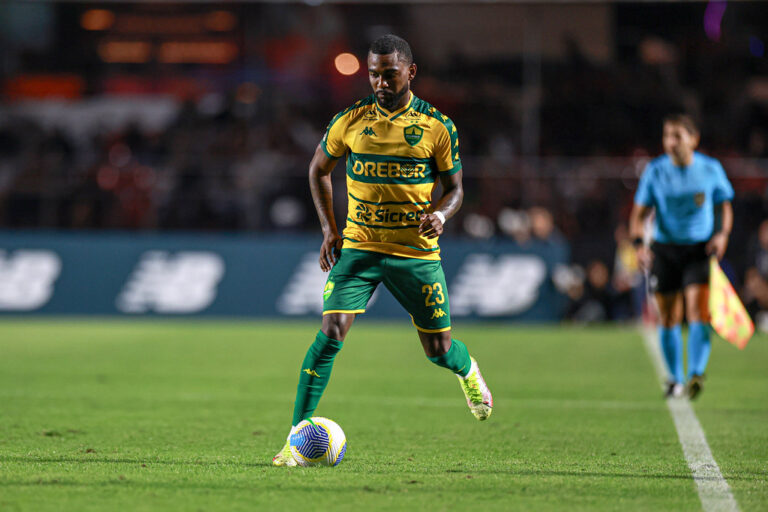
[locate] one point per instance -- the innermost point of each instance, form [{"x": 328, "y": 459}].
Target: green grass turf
[{"x": 186, "y": 415}]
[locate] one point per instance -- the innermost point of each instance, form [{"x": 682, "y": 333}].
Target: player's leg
[
  {"x": 671, "y": 339},
  {"x": 352, "y": 281},
  {"x": 444, "y": 351},
  {"x": 315, "y": 374},
  {"x": 419, "y": 286}
]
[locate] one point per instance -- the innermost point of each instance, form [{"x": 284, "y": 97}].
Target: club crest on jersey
[
  {"x": 698, "y": 198},
  {"x": 413, "y": 134}
]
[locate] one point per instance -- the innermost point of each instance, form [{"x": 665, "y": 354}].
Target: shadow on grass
[
  {"x": 367, "y": 469},
  {"x": 115, "y": 460}
]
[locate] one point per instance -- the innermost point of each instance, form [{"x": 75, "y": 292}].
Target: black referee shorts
[{"x": 676, "y": 266}]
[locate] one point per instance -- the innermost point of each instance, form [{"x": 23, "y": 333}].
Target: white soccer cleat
[
  {"x": 478, "y": 395},
  {"x": 674, "y": 390}
]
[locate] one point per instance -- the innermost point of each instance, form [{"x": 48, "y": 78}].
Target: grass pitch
[{"x": 186, "y": 415}]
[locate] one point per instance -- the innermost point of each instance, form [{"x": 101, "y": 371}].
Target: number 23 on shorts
[{"x": 433, "y": 291}]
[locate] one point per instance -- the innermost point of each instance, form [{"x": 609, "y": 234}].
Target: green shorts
[{"x": 418, "y": 285}]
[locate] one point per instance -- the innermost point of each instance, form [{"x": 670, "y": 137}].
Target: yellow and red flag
[{"x": 727, "y": 314}]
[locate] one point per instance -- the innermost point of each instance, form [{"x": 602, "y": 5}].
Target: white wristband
[{"x": 440, "y": 216}]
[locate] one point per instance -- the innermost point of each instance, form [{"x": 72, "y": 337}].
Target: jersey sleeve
[
  {"x": 723, "y": 188},
  {"x": 447, "y": 148},
  {"x": 644, "y": 193},
  {"x": 333, "y": 140}
]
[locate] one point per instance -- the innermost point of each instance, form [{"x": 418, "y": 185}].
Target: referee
[{"x": 691, "y": 197}]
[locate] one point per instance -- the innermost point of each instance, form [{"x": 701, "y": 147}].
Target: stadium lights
[
  {"x": 204, "y": 52},
  {"x": 97, "y": 19},
  {"x": 220, "y": 21},
  {"x": 346, "y": 64},
  {"x": 136, "y": 52}
]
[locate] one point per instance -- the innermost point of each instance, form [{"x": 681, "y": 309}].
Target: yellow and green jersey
[{"x": 393, "y": 161}]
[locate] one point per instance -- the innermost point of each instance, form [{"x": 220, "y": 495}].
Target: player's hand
[
  {"x": 330, "y": 250},
  {"x": 644, "y": 257},
  {"x": 431, "y": 226},
  {"x": 717, "y": 245}
]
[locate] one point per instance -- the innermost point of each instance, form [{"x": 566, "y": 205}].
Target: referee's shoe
[
  {"x": 695, "y": 385},
  {"x": 674, "y": 390}
]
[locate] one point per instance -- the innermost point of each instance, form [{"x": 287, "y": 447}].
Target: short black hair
[
  {"x": 683, "y": 119},
  {"x": 391, "y": 43}
]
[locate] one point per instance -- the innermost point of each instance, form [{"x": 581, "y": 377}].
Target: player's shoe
[
  {"x": 674, "y": 390},
  {"x": 284, "y": 456},
  {"x": 478, "y": 395},
  {"x": 695, "y": 385}
]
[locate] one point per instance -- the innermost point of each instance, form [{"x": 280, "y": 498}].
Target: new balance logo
[
  {"x": 163, "y": 282},
  {"x": 368, "y": 131},
  {"x": 310, "y": 372},
  {"x": 438, "y": 313}
]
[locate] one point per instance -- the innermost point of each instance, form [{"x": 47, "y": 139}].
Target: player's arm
[
  {"x": 449, "y": 203},
  {"x": 637, "y": 218},
  {"x": 724, "y": 219},
  {"x": 322, "y": 195}
]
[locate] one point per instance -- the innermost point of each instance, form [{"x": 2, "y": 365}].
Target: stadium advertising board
[{"x": 249, "y": 276}]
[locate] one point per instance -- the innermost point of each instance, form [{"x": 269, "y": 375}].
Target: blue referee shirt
[{"x": 684, "y": 197}]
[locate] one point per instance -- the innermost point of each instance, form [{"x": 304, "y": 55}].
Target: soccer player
[
  {"x": 397, "y": 147},
  {"x": 691, "y": 197}
]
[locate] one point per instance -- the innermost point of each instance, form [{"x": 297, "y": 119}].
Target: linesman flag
[{"x": 726, "y": 312}]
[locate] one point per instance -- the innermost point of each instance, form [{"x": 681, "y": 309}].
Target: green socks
[
  {"x": 456, "y": 359},
  {"x": 314, "y": 377}
]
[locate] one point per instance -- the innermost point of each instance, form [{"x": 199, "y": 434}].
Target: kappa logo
[
  {"x": 438, "y": 313},
  {"x": 185, "y": 282},
  {"x": 368, "y": 131},
  {"x": 27, "y": 278},
  {"x": 363, "y": 212}
]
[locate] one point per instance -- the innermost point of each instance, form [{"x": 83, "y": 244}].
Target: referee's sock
[
  {"x": 698, "y": 348},
  {"x": 672, "y": 348}
]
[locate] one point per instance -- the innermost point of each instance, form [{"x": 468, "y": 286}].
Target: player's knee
[
  {"x": 436, "y": 344},
  {"x": 336, "y": 326}
]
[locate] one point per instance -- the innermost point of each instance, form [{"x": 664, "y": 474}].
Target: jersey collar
[{"x": 396, "y": 113}]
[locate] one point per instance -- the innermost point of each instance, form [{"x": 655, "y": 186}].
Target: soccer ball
[{"x": 318, "y": 441}]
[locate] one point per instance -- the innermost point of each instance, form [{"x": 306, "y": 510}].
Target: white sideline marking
[{"x": 714, "y": 492}]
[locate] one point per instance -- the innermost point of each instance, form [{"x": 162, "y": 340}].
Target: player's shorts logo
[
  {"x": 413, "y": 134},
  {"x": 438, "y": 313},
  {"x": 328, "y": 290}
]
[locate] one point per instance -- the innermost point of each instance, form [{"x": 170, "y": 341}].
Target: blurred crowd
[{"x": 234, "y": 157}]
